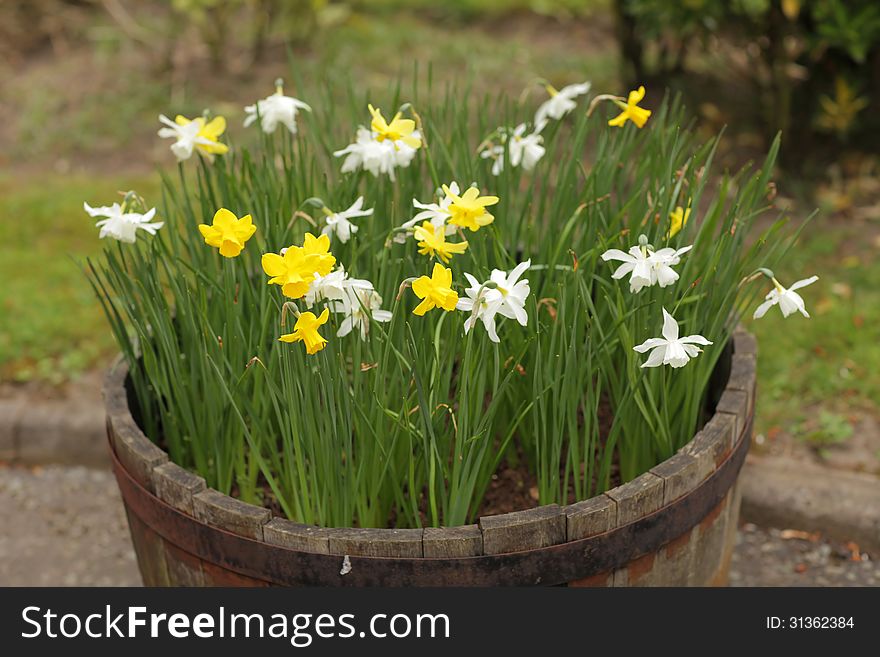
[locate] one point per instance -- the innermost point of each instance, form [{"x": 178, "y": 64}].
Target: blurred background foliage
[
  {"x": 813, "y": 65},
  {"x": 82, "y": 83}
]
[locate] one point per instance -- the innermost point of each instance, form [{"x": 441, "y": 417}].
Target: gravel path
[
  {"x": 63, "y": 526},
  {"x": 56, "y": 532},
  {"x": 773, "y": 557}
]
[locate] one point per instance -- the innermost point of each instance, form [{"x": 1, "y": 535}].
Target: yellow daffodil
[
  {"x": 295, "y": 269},
  {"x": 398, "y": 130},
  {"x": 678, "y": 219},
  {"x": 227, "y": 232},
  {"x": 306, "y": 330},
  {"x": 631, "y": 110},
  {"x": 469, "y": 209},
  {"x": 435, "y": 291},
  {"x": 432, "y": 240}
]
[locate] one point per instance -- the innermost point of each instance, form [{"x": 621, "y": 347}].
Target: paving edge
[
  {"x": 63, "y": 431},
  {"x": 785, "y": 493}
]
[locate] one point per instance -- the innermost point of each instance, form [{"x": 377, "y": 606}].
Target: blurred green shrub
[{"x": 810, "y": 60}]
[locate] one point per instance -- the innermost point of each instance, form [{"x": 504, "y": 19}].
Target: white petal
[
  {"x": 655, "y": 359},
  {"x": 666, "y": 275},
  {"x": 694, "y": 339},
  {"x": 761, "y": 310},
  {"x": 623, "y": 270},
  {"x": 489, "y": 323},
  {"x": 675, "y": 356},
  {"x": 575, "y": 90},
  {"x": 469, "y": 324},
  {"x": 345, "y": 327},
  {"x": 517, "y": 272},
  {"x": 790, "y": 302},
  {"x": 670, "y": 327},
  {"x": 691, "y": 350},
  {"x": 803, "y": 283},
  {"x": 650, "y": 343},
  {"x": 519, "y": 313},
  {"x": 475, "y": 284},
  {"x": 617, "y": 254}
]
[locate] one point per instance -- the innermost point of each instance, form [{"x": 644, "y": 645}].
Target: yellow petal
[
  {"x": 422, "y": 286},
  {"x": 314, "y": 347},
  {"x": 273, "y": 264},
  {"x": 619, "y": 120},
  {"x": 211, "y": 235},
  {"x": 215, "y": 148},
  {"x": 403, "y": 125},
  {"x": 215, "y": 128},
  {"x": 470, "y": 194},
  {"x": 449, "y": 301},
  {"x": 295, "y": 289},
  {"x": 289, "y": 337},
  {"x": 230, "y": 249},
  {"x": 224, "y": 219},
  {"x": 305, "y": 320},
  {"x": 423, "y": 307},
  {"x": 441, "y": 275},
  {"x": 244, "y": 228},
  {"x": 323, "y": 242},
  {"x": 639, "y": 116},
  {"x": 450, "y": 194}
]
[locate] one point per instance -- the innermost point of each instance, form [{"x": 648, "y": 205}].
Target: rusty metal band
[{"x": 551, "y": 565}]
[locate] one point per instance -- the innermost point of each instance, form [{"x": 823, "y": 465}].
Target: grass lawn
[
  {"x": 813, "y": 373},
  {"x": 51, "y": 325}
]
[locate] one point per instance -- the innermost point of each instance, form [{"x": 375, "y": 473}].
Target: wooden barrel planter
[{"x": 672, "y": 526}]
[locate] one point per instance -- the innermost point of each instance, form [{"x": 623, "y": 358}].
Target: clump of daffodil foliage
[{"x": 369, "y": 331}]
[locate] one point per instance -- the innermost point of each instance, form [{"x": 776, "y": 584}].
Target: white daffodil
[
  {"x": 788, "y": 300},
  {"x": 368, "y": 154},
  {"x": 671, "y": 349},
  {"x": 662, "y": 262},
  {"x": 503, "y": 294},
  {"x": 496, "y": 152},
  {"x": 525, "y": 150},
  {"x": 403, "y": 153},
  {"x": 436, "y": 213},
  {"x": 646, "y": 266},
  {"x": 186, "y": 136},
  {"x": 560, "y": 102},
  {"x": 121, "y": 225},
  {"x": 338, "y": 222},
  {"x": 359, "y": 304},
  {"x": 332, "y": 286},
  {"x": 189, "y": 135},
  {"x": 275, "y": 109},
  {"x": 377, "y": 157}
]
